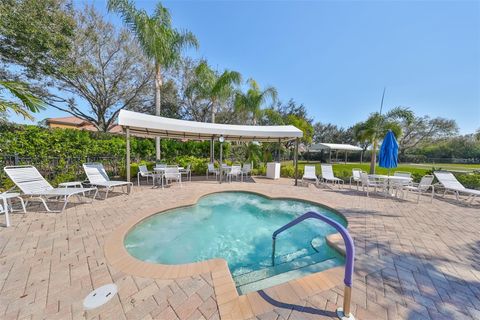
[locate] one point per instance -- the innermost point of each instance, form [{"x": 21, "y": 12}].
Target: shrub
[{"x": 469, "y": 180}]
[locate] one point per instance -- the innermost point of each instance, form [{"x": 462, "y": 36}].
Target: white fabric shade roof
[
  {"x": 145, "y": 125},
  {"x": 333, "y": 146}
]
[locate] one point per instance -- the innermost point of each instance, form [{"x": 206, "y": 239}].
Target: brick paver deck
[{"x": 413, "y": 261}]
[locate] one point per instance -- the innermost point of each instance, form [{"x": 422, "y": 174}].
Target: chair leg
[
  {"x": 65, "y": 204},
  {"x": 5, "y": 208},
  {"x": 45, "y": 204},
  {"x": 23, "y": 204}
]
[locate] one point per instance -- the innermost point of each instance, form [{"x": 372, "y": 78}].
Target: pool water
[{"x": 238, "y": 227}]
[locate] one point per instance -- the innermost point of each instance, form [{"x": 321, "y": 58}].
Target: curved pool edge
[
  {"x": 118, "y": 256},
  {"x": 228, "y": 299}
]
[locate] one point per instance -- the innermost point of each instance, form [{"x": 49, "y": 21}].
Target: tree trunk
[
  {"x": 373, "y": 159},
  {"x": 158, "y": 107}
]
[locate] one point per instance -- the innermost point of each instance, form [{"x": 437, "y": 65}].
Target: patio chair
[
  {"x": 328, "y": 176},
  {"x": 6, "y": 205},
  {"x": 143, "y": 172},
  {"x": 33, "y": 186},
  {"x": 97, "y": 176},
  {"x": 403, "y": 174},
  {"x": 368, "y": 182},
  {"x": 398, "y": 185},
  {"x": 187, "y": 172},
  {"x": 421, "y": 187},
  {"x": 160, "y": 165},
  {"x": 211, "y": 169},
  {"x": 451, "y": 184},
  {"x": 235, "y": 171},
  {"x": 246, "y": 170},
  {"x": 172, "y": 173},
  {"x": 310, "y": 174},
  {"x": 356, "y": 177}
]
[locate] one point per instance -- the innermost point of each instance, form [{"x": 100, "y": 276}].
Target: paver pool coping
[{"x": 230, "y": 304}]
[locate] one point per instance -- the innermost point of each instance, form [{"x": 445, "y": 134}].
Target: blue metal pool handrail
[{"x": 349, "y": 246}]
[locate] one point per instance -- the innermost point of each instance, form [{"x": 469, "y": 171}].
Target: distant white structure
[{"x": 329, "y": 147}]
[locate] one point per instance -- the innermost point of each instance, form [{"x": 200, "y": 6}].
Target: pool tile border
[{"x": 231, "y": 305}]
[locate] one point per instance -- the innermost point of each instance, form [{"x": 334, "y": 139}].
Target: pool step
[
  {"x": 266, "y": 278},
  {"x": 278, "y": 260},
  {"x": 271, "y": 271}
]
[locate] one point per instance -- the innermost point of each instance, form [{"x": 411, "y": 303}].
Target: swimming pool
[{"x": 238, "y": 227}]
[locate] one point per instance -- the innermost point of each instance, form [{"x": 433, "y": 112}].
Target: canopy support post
[
  {"x": 278, "y": 150},
  {"x": 346, "y": 156},
  {"x": 157, "y": 149},
  {"x": 212, "y": 150},
  {"x": 295, "y": 159},
  {"x": 330, "y": 156},
  {"x": 221, "y": 162},
  {"x": 128, "y": 153}
]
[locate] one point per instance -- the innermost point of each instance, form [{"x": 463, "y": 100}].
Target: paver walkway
[{"x": 414, "y": 261}]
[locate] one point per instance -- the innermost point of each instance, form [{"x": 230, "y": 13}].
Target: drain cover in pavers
[{"x": 99, "y": 296}]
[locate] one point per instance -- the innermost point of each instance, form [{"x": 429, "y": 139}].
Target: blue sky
[{"x": 335, "y": 57}]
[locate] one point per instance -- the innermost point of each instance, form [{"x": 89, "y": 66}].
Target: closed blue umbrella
[{"x": 388, "y": 157}]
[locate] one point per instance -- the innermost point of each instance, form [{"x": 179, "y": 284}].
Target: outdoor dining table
[
  {"x": 225, "y": 170},
  {"x": 160, "y": 171},
  {"x": 391, "y": 180}
]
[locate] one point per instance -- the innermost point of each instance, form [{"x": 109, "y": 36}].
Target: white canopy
[
  {"x": 333, "y": 146},
  {"x": 145, "y": 125}
]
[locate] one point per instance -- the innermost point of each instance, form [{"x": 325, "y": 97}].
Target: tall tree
[
  {"x": 420, "y": 130},
  {"x": 106, "y": 70},
  {"x": 251, "y": 102},
  {"x": 216, "y": 88},
  {"x": 160, "y": 41},
  {"x": 331, "y": 133},
  {"x": 377, "y": 125},
  {"x": 24, "y": 103},
  {"x": 36, "y": 35}
]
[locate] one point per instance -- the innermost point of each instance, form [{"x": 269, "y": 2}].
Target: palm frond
[{"x": 28, "y": 102}]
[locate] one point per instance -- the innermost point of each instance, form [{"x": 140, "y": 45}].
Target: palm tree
[
  {"x": 160, "y": 41},
  {"x": 251, "y": 102},
  {"x": 28, "y": 104},
  {"x": 376, "y": 126},
  {"x": 217, "y": 88},
  {"x": 214, "y": 87}
]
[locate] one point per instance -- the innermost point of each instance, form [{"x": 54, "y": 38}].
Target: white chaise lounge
[
  {"x": 309, "y": 174},
  {"x": 97, "y": 176},
  {"x": 451, "y": 184},
  {"x": 33, "y": 186},
  {"x": 328, "y": 176}
]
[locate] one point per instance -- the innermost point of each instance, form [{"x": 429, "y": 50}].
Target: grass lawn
[{"x": 344, "y": 171}]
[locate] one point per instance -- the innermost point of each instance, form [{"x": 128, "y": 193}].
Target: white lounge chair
[
  {"x": 172, "y": 173},
  {"x": 235, "y": 171},
  {"x": 328, "y": 176},
  {"x": 97, "y": 176},
  {"x": 211, "y": 169},
  {"x": 421, "y": 187},
  {"x": 246, "y": 170},
  {"x": 187, "y": 172},
  {"x": 356, "y": 177},
  {"x": 310, "y": 174},
  {"x": 143, "y": 172},
  {"x": 368, "y": 182},
  {"x": 34, "y": 186},
  {"x": 451, "y": 184}
]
